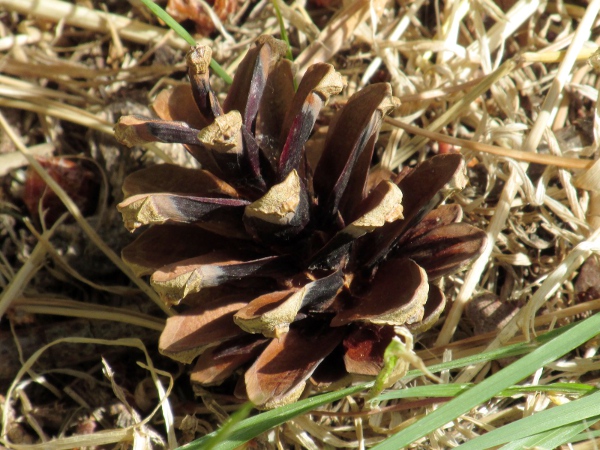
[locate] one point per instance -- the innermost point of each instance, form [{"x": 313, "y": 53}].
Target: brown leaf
[
  {"x": 279, "y": 375},
  {"x": 182, "y": 10},
  {"x": 396, "y": 296},
  {"x": 188, "y": 334},
  {"x": 79, "y": 183},
  {"x": 587, "y": 285},
  {"x": 487, "y": 313}
]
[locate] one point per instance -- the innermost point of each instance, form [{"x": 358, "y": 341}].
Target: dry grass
[{"x": 506, "y": 83}]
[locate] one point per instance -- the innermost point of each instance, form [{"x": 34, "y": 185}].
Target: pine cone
[{"x": 289, "y": 265}]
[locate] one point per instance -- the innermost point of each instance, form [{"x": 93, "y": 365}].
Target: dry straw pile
[{"x": 477, "y": 112}]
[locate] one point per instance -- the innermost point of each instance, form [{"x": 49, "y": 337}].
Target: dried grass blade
[
  {"x": 60, "y": 111},
  {"x": 13, "y": 160},
  {"x": 76, "y": 213},
  {"x": 498, "y": 221},
  {"x": 549, "y": 107},
  {"x": 501, "y": 30},
  {"x": 518, "y": 155},
  {"x": 26, "y": 272},
  {"x": 89, "y": 19},
  {"x": 15, "y": 88},
  {"x": 101, "y": 437},
  {"x": 474, "y": 275},
  {"x": 453, "y": 112},
  {"x": 337, "y": 32},
  {"x": 72, "y": 308},
  {"x": 61, "y": 261}
]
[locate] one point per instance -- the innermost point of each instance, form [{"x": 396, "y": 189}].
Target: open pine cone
[{"x": 291, "y": 265}]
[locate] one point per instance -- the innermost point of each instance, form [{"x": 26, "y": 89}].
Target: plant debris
[{"x": 503, "y": 88}]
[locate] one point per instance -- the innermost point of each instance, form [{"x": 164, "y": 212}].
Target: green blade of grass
[
  {"x": 560, "y": 388},
  {"x": 242, "y": 432},
  {"x": 508, "y": 376},
  {"x": 452, "y": 390},
  {"x": 250, "y": 428},
  {"x": 544, "y": 425},
  {"x": 491, "y": 355},
  {"x": 552, "y": 439},
  {"x": 226, "y": 429},
  {"x": 169, "y": 21},
  {"x": 282, "y": 30},
  {"x": 429, "y": 391},
  {"x": 588, "y": 435},
  {"x": 172, "y": 23}
]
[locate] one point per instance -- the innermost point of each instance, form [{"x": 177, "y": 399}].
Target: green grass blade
[
  {"x": 452, "y": 390},
  {"x": 553, "y": 438},
  {"x": 172, "y": 23},
  {"x": 227, "y": 428},
  {"x": 586, "y": 436},
  {"x": 491, "y": 355},
  {"x": 249, "y": 428},
  {"x": 282, "y": 30},
  {"x": 553, "y": 419},
  {"x": 430, "y": 391},
  {"x": 560, "y": 388},
  {"x": 242, "y": 432},
  {"x": 504, "y": 352},
  {"x": 485, "y": 390}
]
